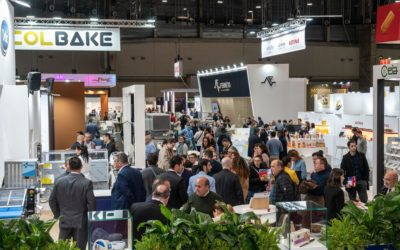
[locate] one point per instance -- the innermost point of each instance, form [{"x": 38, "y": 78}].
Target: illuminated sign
[
  {"x": 67, "y": 39},
  {"x": 90, "y": 80}
]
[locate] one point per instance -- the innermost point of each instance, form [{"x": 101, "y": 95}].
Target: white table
[{"x": 263, "y": 214}]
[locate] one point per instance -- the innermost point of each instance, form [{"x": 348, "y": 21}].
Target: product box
[{"x": 300, "y": 237}]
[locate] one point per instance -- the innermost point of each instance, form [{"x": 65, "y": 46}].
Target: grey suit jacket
[{"x": 72, "y": 197}]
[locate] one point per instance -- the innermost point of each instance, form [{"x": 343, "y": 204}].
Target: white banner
[
  {"x": 76, "y": 39},
  {"x": 283, "y": 43}
]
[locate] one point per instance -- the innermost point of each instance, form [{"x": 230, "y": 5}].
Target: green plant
[
  {"x": 379, "y": 224},
  {"x": 198, "y": 231},
  {"x": 31, "y": 233}
]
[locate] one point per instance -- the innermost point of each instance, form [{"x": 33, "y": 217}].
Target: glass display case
[
  {"x": 110, "y": 230},
  {"x": 303, "y": 225}
]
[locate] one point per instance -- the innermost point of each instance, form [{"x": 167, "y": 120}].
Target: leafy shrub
[
  {"x": 30, "y": 234},
  {"x": 380, "y": 224},
  {"x": 198, "y": 231}
]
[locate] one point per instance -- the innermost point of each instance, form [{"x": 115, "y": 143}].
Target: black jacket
[
  {"x": 178, "y": 195},
  {"x": 334, "y": 201},
  {"x": 228, "y": 187},
  {"x": 285, "y": 189},
  {"x": 216, "y": 167},
  {"x": 255, "y": 184},
  {"x": 145, "y": 211},
  {"x": 347, "y": 166},
  {"x": 253, "y": 139}
]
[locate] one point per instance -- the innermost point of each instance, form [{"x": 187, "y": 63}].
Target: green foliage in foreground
[
  {"x": 30, "y": 234},
  {"x": 198, "y": 231}
]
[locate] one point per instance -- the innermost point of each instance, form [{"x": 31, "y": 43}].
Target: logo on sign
[
  {"x": 5, "y": 37},
  {"x": 294, "y": 41},
  {"x": 101, "y": 79},
  {"x": 270, "y": 80},
  {"x": 387, "y": 71},
  {"x": 222, "y": 87}
]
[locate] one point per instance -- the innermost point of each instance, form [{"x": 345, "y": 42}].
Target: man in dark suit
[
  {"x": 150, "y": 173},
  {"x": 129, "y": 187},
  {"x": 390, "y": 181},
  {"x": 72, "y": 197},
  {"x": 228, "y": 184},
  {"x": 216, "y": 167},
  {"x": 150, "y": 210},
  {"x": 179, "y": 195},
  {"x": 253, "y": 139}
]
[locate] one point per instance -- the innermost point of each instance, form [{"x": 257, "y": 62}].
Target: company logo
[
  {"x": 102, "y": 79},
  {"x": 294, "y": 41},
  {"x": 222, "y": 86},
  {"x": 387, "y": 71},
  {"x": 5, "y": 37},
  {"x": 270, "y": 80}
]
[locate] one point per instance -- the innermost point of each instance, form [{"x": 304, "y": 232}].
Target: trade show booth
[{"x": 259, "y": 90}]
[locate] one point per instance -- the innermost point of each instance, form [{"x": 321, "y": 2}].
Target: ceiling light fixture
[
  {"x": 220, "y": 2},
  {"x": 22, "y": 3},
  {"x": 57, "y": 18},
  {"x": 94, "y": 19},
  {"x": 274, "y": 24},
  {"x": 309, "y": 4},
  {"x": 258, "y": 6},
  {"x": 164, "y": 1},
  {"x": 30, "y": 17}
]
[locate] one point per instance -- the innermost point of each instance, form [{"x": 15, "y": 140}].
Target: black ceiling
[{"x": 223, "y": 15}]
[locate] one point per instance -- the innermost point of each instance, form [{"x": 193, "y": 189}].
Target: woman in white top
[
  {"x": 83, "y": 154},
  {"x": 198, "y": 138}
]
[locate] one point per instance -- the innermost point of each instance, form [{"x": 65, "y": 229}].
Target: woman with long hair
[
  {"x": 240, "y": 168},
  {"x": 334, "y": 195},
  {"x": 257, "y": 182},
  {"x": 298, "y": 164},
  {"x": 205, "y": 145},
  {"x": 83, "y": 154},
  {"x": 262, "y": 150}
]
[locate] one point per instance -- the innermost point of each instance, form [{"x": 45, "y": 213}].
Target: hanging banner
[
  {"x": 282, "y": 42},
  {"x": 229, "y": 84},
  {"x": 387, "y": 24},
  {"x": 76, "y": 39}
]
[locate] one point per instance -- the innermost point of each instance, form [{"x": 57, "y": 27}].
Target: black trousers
[
  {"x": 79, "y": 235},
  {"x": 360, "y": 188}
]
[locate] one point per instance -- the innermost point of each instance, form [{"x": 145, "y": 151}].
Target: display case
[
  {"x": 53, "y": 165},
  {"x": 303, "y": 225},
  {"x": 110, "y": 230}
]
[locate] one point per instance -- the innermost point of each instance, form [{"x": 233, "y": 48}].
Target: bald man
[
  {"x": 203, "y": 200},
  {"x": 390, "y": 181},
  {"x": 228, "y": 185}
]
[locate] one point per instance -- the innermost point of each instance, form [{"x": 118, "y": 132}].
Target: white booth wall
[
  {"x": 283, "y": 100},
  {"x": 14, "y": 125}
]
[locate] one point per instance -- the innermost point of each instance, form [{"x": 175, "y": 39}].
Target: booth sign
[
  {"x": 33, "y": 38},
  {"x": 388, "y": 24},
  {"x": 90, "y": 80}
]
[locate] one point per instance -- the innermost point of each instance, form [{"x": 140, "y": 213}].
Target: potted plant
[
  {"x": 30, "y": 234},
  {"x": 378, "y": 227},
  {"x": 198, "y": 231}
]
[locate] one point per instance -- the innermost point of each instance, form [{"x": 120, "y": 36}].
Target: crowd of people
[{"x": 200, "y": 167}]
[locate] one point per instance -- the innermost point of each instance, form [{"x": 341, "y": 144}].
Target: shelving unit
[{"x": 392, "y": 154}]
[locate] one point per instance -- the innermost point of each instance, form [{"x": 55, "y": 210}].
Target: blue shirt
[
  {"x": 150, "y": 149},
  {"x": 193, "y": 179},
  {"x": 300, "y": 166},
  {"x": 275, "y": 147}
]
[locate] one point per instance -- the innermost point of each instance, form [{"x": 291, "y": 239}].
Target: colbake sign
[{"x": 67, "y": 39}]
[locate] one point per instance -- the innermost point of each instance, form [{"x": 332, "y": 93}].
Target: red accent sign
[{"x": 388, "y": 24}]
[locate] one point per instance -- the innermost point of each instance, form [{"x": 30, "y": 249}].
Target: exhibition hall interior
[{"x": 199, "y": 124}]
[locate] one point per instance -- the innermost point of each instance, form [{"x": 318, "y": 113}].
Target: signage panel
[
  {"x": 283, "y": 43},
  {"x": 178, "y": 69},
  {"x": 7, "y": 52},
  {"x": 229, "y": 84},
  {"x": 75, "y": 39},
  {"x": 90, "y": 80},
  {"x": 388, "y": 24}
]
